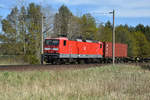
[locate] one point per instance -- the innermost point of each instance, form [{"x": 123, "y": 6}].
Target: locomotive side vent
[
  {"x": 89, "y": 41},
  {"x": 80, "y": 40}
]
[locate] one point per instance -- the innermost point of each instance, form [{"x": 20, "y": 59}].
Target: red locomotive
[{"x": 60, "y": 50}]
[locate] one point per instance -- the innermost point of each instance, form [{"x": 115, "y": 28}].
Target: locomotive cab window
[
  {"x": 52, "y": 42},
  {"x": 100, "y": 45},
  {"x": 64, "y": 42}
]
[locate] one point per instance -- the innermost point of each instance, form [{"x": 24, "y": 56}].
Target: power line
[{"x": 101, "y": 13}]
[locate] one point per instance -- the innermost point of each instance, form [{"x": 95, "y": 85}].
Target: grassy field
[
  {"x": 12, "y": 60},
  {"x": 121, "y": 82}
]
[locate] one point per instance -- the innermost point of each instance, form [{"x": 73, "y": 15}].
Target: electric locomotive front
[{"x": 51, "y": 49}]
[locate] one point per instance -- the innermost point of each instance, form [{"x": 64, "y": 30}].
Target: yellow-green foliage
[{"x": 121, "y": 82}]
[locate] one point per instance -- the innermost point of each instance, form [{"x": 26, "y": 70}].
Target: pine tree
[
  {"x": 34, "y": 31},
  {"x": 105, "y": 32},
  {"x": 22, "y": 29},
  {"x": 147, "y": 32},
  {"x": 62, "y": 21},
  {"x": 142, "y": 44},
  {"x": 88, "y": 27},
  {"x": 10, "y": 36}
]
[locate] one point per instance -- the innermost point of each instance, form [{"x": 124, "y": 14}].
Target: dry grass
[
  {"x": 121, "y": 82},
  {"x": 12, "y": 60}
]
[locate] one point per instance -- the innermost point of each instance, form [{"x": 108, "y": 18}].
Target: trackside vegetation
[{"x": 121, "y": 82}]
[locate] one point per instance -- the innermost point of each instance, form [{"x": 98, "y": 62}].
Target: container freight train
[{"x": 61, "y": 50}]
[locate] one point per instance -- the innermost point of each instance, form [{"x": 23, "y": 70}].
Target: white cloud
[
  {"x": 76, "y": 2},
  {"x": 134, "y": 13},
  {"x": 123, "y": 3},
  {"x": 123, "y": 12},
  {"x": 124, "y": 8},
  {"x": 128, "y": 8}
]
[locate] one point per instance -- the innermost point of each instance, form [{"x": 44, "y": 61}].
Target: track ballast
[{"x": 59, "y": 67}]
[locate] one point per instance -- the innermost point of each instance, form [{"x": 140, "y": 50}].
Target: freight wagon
[{"x": 120, "y": 52}]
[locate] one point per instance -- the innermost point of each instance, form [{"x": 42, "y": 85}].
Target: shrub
[{"x": 32, "y": 59}]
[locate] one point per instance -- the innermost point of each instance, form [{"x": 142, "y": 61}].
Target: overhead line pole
[
  {"x": 113, "y": 38},
  {"x": 42, "y": 37},
  {"x": 42, "y": 34}
]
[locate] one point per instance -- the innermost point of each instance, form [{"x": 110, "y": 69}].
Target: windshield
[{"x": 52, "y": 42}]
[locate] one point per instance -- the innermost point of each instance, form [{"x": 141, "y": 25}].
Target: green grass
[{"x": 121, "y": 82}]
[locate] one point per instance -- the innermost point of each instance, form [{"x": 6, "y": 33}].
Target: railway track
[
  {"x": 46, "y": 67},
  {"x": 60, "y": 67}
]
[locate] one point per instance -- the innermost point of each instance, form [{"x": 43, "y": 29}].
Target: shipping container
[{"x": 120, "y": 50}]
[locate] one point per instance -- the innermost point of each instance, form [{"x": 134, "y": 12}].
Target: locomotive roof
[
  {"x": 62, "y": 38},
  {"x": 65, "y": 38}
]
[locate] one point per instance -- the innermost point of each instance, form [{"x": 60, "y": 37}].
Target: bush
[{"x": 32, "y": 59}]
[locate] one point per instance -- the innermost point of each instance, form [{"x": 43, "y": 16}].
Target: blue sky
[{"x": 131, "y": 12}]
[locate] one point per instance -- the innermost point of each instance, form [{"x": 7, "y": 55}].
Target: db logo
[{"x": 84, "y": 48}]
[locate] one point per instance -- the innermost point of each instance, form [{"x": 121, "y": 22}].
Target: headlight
[
  {"x": 54, "y": 48},
  {"x": 47, "y": 48},
  {"x": 50, "y": 48}
]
